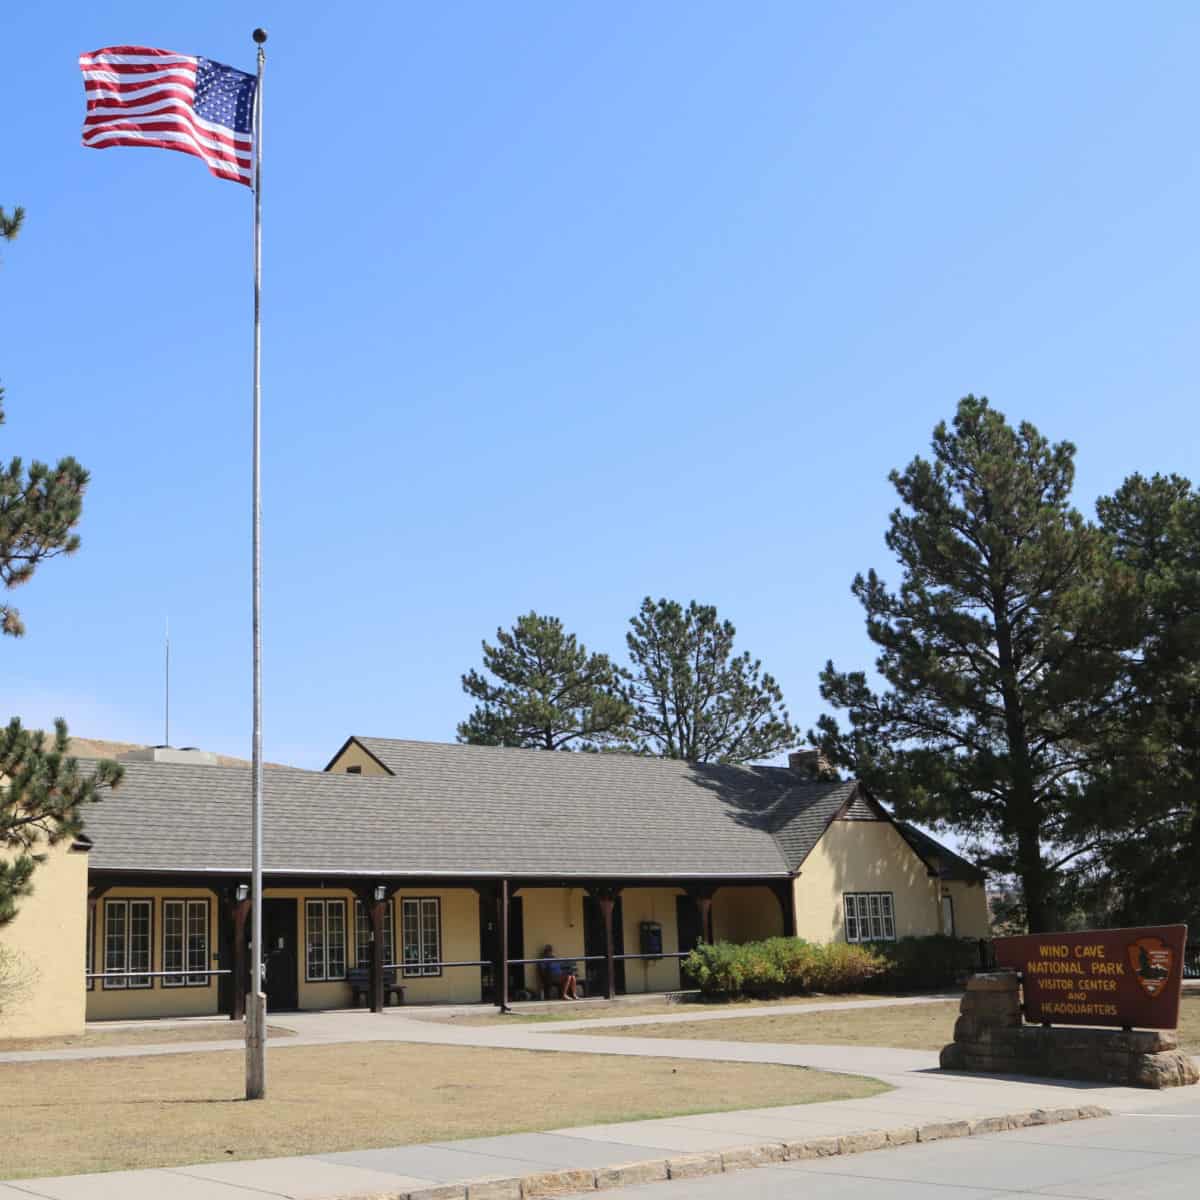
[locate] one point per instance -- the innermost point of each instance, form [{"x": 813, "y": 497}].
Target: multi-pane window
[
  {"x": 324, "y": 939},
  {"x": 185, "y": 942},
  {"x": 128, "y": 946},
  {"x": 362, "y": 934},
  {"x": 421, "y": 922},
  {"x": 870, "y": 917}
]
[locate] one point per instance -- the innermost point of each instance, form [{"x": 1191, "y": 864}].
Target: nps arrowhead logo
[{"x": 1151, "y": 960}]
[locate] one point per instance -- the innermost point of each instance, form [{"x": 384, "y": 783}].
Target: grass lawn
[
  {"x": 907, "y": 1027},
  {"x": 587, "y": 1009},
  {"x": 149, "y": 1036},
  {"x": 166, "y": 1110}
]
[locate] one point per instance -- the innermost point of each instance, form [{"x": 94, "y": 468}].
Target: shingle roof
[
  {"x": 941, "y": 859},
  {"x": 451, "y": 809}
]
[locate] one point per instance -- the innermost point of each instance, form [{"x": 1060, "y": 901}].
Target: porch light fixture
[
  {"x": 381, "y": 891},
  {"x": 242, "y": 892}
]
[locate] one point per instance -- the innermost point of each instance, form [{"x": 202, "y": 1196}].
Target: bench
[
  {"x": 549, "y": 990},
  {"x": 359, "y": 979}
]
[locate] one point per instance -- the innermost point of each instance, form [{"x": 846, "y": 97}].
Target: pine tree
[
  {"x": 42, "y": 789},
  {"x": 1000, "y": 653},
  {"x": 694, "y": 698},
  {"x": 1147, "y": 798},
  {"x": 41, "y": 802},
  {"x": 545, "y": 691}
]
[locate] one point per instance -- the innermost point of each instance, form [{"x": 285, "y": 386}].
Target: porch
[{"x": 160, "y": 946}]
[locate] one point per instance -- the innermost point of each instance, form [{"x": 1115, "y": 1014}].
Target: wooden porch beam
[
  {"x": 502, "y": 964},
  {"x": 785, "y": 894},
  {"x": 240, "y": 913},
  {"x": 606, "y": 897}
]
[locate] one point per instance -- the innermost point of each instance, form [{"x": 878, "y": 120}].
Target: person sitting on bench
[{"x": 559, "y": 974}]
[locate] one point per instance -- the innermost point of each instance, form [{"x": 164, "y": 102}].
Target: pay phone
[{"x": 650, "y": 938}]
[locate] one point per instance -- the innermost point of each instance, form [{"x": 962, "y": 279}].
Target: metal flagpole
[{"x": 256, "y": 1010}]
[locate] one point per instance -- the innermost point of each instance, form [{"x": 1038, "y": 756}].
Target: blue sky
[{"x": 566, "y": 305}]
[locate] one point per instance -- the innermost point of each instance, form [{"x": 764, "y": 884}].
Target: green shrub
[
  {"x": 921, "y": 963},
  {"x": 844, "y": 968},
  {"x": 781, "y": 967}
]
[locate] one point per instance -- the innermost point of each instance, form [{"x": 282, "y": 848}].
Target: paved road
[{"x": 1154, "y": 1153}]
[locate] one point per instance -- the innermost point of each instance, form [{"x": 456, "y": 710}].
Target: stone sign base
[{"x": 990, "y": 1036}]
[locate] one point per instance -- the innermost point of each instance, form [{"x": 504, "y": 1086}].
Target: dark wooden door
[
  {"x": 687, "y": 923},
  {"x": 593, "y": 943},
  {"x": 489, "y": 943},
  {"x": 280, "y": 941}
]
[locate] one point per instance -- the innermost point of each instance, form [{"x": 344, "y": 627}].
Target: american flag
[{"x": 138, "y": 96}]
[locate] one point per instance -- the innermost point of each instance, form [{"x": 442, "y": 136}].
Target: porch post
[
  {"x": 376, "y": 911},
  {"x": 502, "y": 965},
  {"x": 703, "y": 899},
  {"x": 610, "y": 979},
  {"x": 787, "y": 903},
  {"x": 241, "y": 914},
  {"x": 606, "y": 898}
]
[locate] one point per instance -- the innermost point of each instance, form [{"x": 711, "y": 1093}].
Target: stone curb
[{"x": 574, "y": 1181}]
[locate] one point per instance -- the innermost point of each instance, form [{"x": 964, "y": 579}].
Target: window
[
  {"x": 185, "y": 942},
  {"x": 354, "y": 770},
  {"x": 89, "y": 950},
  {"x": 870, "y": 917},
  {"x": 362, "y": 934},
  {"x": 948, "y": 916},
  {"x": 422, "y": 928},
  {"x": 324, "y": 940},
  {"x": 128, "y": 942}
]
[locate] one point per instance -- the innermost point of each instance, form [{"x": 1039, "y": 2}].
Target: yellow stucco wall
[
  {"x": 552, "y": 916},
  {"x": 43, "y": 992},
  {"x": 158, "y": 1000},
  {"x": 355, "y": 756},
  {"x": 459, "y": 938},
  {"x": 745, "y": 914},
  {"x": 650, "y": 904},
  {"x": 971, "y": 916},
  {"x": 864, "y": 856},
  {"x": 460, "y": 943}
]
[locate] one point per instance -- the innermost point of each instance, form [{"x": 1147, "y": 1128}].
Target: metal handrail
[
  {"x": 576, "y": 958},
  {"x": 415, "y": 966}
]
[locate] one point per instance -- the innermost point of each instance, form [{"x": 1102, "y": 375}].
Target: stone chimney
[{"x": 810, "y": 764}]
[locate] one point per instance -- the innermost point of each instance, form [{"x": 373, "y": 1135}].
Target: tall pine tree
[
  {"x": 1146, "y": 810},
  {"x": 694, "y": 698},
  {"x": 42, "y": 789},
  {"x": 999, "y": 654},
  {"x": 544, "y": 690}
]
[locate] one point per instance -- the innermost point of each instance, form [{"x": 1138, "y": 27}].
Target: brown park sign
[{"x": 1130, "y": 978}]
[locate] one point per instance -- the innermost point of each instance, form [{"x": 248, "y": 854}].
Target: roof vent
[{"x": 168, "y": 754}]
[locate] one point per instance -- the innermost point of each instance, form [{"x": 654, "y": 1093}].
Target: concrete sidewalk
[
  {"x": 925, "y": 1104},
  {"x": 568, "y": 1161},
  {"x": 417, "y": 1025}
]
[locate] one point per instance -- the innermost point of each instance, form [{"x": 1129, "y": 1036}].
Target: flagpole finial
[{"x": 259, "y": 35}]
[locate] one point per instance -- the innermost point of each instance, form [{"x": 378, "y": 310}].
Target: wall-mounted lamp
[
  {"x": 381, "y": 891},
  {"x": 242, "y": 892}
]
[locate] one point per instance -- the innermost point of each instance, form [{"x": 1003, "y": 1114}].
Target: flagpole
[{"x": 256, "y": 1011}]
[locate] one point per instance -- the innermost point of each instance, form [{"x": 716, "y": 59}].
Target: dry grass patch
[
  {"x": 603, "y": 1009},
  {"x": 166, "y": 1110},
  {"x": 907, "y": 1027},
  {"x": 1189, "y": 1023},
  {"x": 166, "y": 1035},
  {"x": 904, "y": 1027}
]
